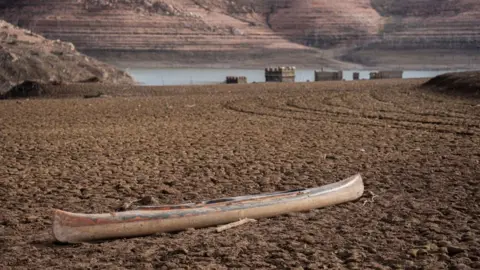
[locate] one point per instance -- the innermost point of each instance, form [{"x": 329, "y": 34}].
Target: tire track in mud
[
  {"x": 289, "y": 110},
  {"x": 356, "y": 100},
  {"x": 373, "y": 94},
  {"x": 364, "y": 114},
  {"x": 401, "y": 108}
]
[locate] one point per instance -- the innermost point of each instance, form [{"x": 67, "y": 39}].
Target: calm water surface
[{"x": 185, "y": 76}]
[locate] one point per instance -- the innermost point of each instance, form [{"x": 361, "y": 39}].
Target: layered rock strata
[{"x": 239, "y": 27}]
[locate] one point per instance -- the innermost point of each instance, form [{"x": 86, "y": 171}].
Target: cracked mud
[{"x": 417, "y": 150}]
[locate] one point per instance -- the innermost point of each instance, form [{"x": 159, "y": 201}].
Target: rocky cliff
[
  {"x": 261, "y": 27},
  {"x": 26, "y": 56},
  {"x": 430, "y": 23}
]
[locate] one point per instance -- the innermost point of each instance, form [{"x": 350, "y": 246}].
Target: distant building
[
  {"x": 356, "y": 76},
  {"x": 321, "y": 75},
  {"x": 280, "y": 74},
  {"x": 236, "y": 80},
  {"x": 386, "y": 75}
]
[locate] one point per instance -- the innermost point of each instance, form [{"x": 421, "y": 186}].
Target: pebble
[
  {"x": 443, "y": 243},
  {"x": 352, "y": 265},
  {"x": 413, "y": 252},
  {"x": 31, "y": 219},
  {"x": 422, "y": 252},
  {"x": 332, "y": 157},
  {"x": 453, "y": 250},
  {"x": 467, "y": 237},
  {"x": 416, "y": 252},
  {"x": 309, "y": 239},
  {"x": 148, "y": 200},
  {"x": 11, "y": 222},
  {"x": 434, "y": 227},
  {"x": 443, "y": 257},
  {"x": 431, "y": 247},
  {"x": 378, "y": 266},
  {"x": 351, "y": 256},
  {"x": 460, "y": 266},
  {"x": 180, "y": 251}
]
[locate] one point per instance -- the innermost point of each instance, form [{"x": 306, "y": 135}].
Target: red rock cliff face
[
  {"x": 443, "y": 24},
  {"x": 148, "y": 25},
  {"x": 245, "y": 25},
  {"x": 326, "y": 23}
]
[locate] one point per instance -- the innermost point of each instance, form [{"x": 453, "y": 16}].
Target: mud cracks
[
  {"x": 376, "y": 108},
  {"x": 418, "y": 152}
]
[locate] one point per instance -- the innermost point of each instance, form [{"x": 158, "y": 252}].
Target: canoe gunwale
[{"x": 224, "y": 201}]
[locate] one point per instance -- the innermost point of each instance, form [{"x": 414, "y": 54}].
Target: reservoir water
[{"x": 187, "y": 76}]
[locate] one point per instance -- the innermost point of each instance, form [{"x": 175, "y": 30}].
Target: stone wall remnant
[
  {"x": 280, "y": 74},
  {"x": 321, "y": 75},
  {"x": 356, "y": 76},
  {"x": 236, "y": 80},
  {"x": 394, "y": 74}
]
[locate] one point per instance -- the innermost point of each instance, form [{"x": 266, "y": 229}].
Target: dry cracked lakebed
[{"x": 417, "y": 150}]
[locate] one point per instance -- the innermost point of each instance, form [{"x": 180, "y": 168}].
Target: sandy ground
[{"x": 417, "y": 151}]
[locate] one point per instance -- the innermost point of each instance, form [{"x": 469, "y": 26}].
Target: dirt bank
[{"x": 457, "y": 83}]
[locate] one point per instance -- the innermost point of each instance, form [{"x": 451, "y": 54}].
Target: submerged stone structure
[
  {"x": 236, "y": 80},
  {"x": 397, "y": 74},
  {"x": 356, "y": 76},
  {"x": 280, "y": 74},
  {"x": 328, "y": 75}
]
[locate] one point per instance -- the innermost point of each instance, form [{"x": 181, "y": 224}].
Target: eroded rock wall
[
  {"x": 26, "y": 56},
  {"x": 243, "y": 25}
]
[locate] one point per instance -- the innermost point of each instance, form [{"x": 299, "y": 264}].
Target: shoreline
[
  {"x": 147, "y": 65},
  {"x": 362, "y": 60}
]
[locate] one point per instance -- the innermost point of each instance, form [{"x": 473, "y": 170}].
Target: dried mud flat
[{"x": 417, "y": 150}]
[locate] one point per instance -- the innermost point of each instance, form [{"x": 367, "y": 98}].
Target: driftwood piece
[{"x": 235, "y": 224}]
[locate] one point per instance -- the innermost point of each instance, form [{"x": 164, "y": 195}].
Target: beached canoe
[{"x": 76, "y": 227}]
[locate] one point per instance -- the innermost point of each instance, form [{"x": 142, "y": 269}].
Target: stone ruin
[
  {"x": 321, "y": 75},
  {"x": 356, "y": 76},
  {"x": 386, "y": 75},
  {"x": 236, "y": 80},
  {"x": 280, "y": 74}
]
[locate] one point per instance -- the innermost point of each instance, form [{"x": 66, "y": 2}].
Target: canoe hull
[{"x": 75, "y": 227}]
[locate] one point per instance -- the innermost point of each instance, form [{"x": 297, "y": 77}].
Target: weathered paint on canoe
[{"x": 76, "y": 227}]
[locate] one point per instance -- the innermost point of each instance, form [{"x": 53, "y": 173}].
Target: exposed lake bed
[{"x": 414, "y": 147}]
